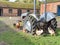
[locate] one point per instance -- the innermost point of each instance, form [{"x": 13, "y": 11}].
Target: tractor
[{"x": 36, "y": 24}]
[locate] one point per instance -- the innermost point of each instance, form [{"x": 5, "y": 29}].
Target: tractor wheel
[
  {"x": 54, "y": 24},
  {"x": 32, "y": 21}
]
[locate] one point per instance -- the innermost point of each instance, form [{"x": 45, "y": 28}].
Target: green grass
[
  {"x": 13, "y": 38},
  {"x": 19, "y": 38}
]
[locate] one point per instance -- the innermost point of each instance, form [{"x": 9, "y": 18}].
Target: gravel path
[
  {"x": 3, "y": 43},
  {"x": 6, "y": 23}
]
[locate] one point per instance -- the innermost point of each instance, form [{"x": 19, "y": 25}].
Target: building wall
[
  {"x": 6, "y": 12},
  {"x": 51, "y": 7},
  {"x": 24, "y": 10},
  {"x": 15, "y": 11},
  {"x": 31, "y": 11}
]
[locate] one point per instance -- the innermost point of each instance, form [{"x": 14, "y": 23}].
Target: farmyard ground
[{"x": 8, "y": 35}]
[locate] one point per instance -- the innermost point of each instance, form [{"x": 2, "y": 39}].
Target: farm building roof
[
  {"x": 52, "y": 1},
  {"x": 18, "y": 5}
]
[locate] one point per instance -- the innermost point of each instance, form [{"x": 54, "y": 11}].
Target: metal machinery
[{"x": 32, "y": 22}]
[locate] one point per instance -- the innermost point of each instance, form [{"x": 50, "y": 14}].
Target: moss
[
  {"x": 18, "y": 5},
  {"x": 52, "y": 1}
]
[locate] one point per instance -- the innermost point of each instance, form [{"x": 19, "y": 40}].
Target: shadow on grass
[{"x": 11, "y": 37}]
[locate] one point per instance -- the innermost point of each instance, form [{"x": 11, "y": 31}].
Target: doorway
[
  {"x": 1, "y": 12},
  {"x": 19, "y": 12},
  {"x": 58, "y": 10}
]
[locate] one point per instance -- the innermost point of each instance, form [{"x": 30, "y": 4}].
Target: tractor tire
[
  {"x": 32, "y": 21},
  {"x": 54, "y": 24}
]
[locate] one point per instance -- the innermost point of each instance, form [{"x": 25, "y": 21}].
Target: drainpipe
[
  {"x": 45, "y": 5},
  {"x": 35, "y": 7}
]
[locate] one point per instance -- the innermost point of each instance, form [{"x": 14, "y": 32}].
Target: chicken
[
  {"x": 17, "y": 25},
  {"x": 39, "y": 32},
  {"x": 51, "y": 31}
]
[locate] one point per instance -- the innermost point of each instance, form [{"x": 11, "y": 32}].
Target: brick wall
[
  {"x": 24, "y": 10},
  {"x": 14, "y": 11},
  {"x": 31, "y": 11},
  {"x": 51, "y": 7},
  {"x": 6, "y": 12}
]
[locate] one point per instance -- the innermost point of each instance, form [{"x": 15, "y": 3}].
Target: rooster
[{"x": 17, "y": 25}]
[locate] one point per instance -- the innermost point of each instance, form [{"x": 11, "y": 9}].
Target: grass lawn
[
  {"x": 12, "y": 37},
  {"x": 18, "y": 38}
]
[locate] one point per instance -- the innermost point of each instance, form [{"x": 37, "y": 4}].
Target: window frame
[{"x": 10, "y": 10}]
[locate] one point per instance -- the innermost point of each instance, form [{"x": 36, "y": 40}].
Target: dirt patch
[
  {"x": 3, "y": 43},
  {"x": 7, "y": 24}
]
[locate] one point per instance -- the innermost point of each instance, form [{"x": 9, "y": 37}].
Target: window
[
  {"x": 28, "y": 10},
  {"x": 37, "y": 11},
  {"x": 10, "y": 10}
]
